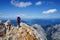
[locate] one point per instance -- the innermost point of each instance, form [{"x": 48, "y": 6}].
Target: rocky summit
[{"x": 24, "y": 32}]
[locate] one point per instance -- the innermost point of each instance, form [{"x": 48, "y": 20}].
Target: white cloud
[
  {"x": 3, "y": 16},
  {"x": 50, "y": 11},
  {"x": 20, "y": 4},
  {"x": 38, "y": 3},
  {"x": 23, "y": 15}
]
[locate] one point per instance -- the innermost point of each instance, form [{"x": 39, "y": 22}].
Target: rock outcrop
[{"x": 25, "y": 32}]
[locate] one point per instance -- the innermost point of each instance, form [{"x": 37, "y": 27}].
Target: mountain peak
[{"x": 25, "y": 32}]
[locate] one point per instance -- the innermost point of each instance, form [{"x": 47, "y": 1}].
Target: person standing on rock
[{"x": 19, "y": 21}]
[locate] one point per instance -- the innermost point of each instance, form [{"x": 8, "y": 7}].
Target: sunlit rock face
[
  {"x": 25, "y": 32},
  {"x": 40, "y": 31}
]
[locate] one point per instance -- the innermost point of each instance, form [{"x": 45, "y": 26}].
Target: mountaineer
[{"x": 19, "y": 21}]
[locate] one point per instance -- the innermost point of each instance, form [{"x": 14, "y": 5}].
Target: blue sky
[{"x": 30, "y": 8}]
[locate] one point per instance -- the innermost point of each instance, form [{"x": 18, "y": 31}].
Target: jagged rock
[
  {"x": 56, "y": 32},
  {"x": 53, "y": 32},
  {"x": 2, "y": 28},
  {"x": 7, "y": 23}
]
